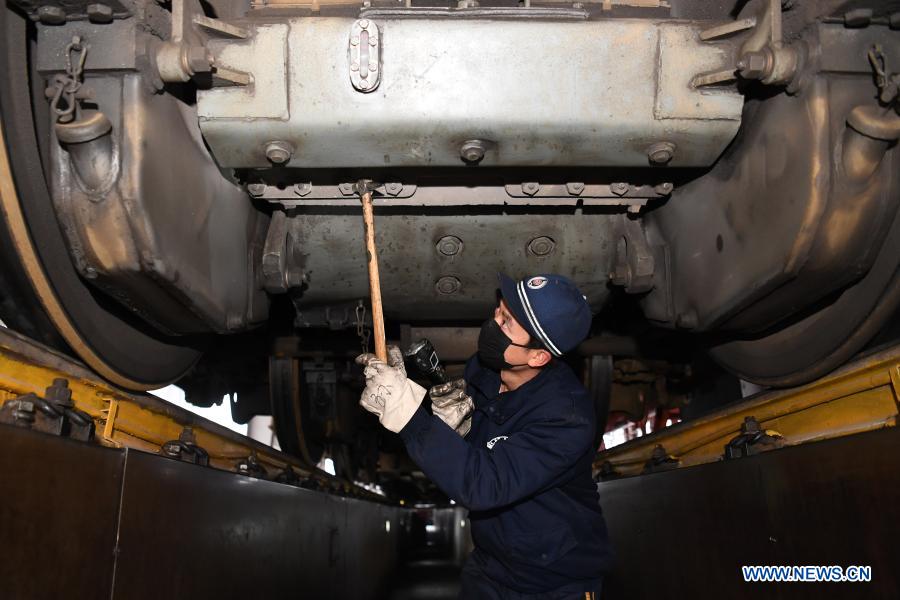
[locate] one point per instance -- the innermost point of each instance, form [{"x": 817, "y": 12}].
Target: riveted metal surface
[
  {"x": 829, "y": 503},
  {"x": 541, "y": 93}
]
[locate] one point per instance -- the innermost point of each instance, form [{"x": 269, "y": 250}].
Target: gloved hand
[
  {"x": 389, "y": 394},
  {"x": 453, "y": 405}
]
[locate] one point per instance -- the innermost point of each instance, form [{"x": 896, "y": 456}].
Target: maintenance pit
[{"x": 123, "y": 516}]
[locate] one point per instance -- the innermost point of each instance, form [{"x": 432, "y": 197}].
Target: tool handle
[{"x": 374, "y": 278}]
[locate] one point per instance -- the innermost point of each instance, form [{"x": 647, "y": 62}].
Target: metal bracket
[
  {"x": 753, "y": 439},
  {"x": 364, "y": 54},
  {"x": 185, "y": 449},
  {"x": 55, "y": 414},
  {"x": 634, "y": 259},
  {"x": 660, "y": 460}
]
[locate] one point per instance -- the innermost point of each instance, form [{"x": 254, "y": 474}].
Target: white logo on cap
[{"x": 537, "y": 283}]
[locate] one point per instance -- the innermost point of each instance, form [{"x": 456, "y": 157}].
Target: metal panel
[
  {"x": 828, "y": 503},
  {"x": 58, "y": 505},
  {"x": 418, "y": 279},
  {"x": 539, "y": 93},
  {"x": 192, "y": 532}
]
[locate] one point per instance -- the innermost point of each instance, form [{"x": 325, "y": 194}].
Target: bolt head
[
  {"x": 354, "y": 67},
  {"x": 449, "y": 245},
  {"x": 619, "y": 189},
  {"x": 347, "y": 189},
  {"x": 541, "y": 246},
  {"x": 51, "y": 15},
  {"x": 531, "y": 187},
  {"x": 664, "y": 189},
  {"x": 279, "y": 152},
  {"x": 256, "y": 189},
  {"x": 373, "y": 67},
  {"x": 393, "y": 188},
  {"x": 364, "y": 23},
  {"x": 661, "y": 153},
  {"x": 373, "y": 40},
  {"x": 472, "y": 151},
  {"x": 354, "y": 40},
  {"x": 753, "y": 65},
  {"x": 303, "y": 189},
  {"x": 575, "y": 187},
  {"x": 447, "y": 285},
  {"x": 363, "y": 84},
  {"x": 99, "y": 13}
]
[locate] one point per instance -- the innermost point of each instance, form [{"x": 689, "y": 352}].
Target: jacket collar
[{"x": 501, "y": 407}]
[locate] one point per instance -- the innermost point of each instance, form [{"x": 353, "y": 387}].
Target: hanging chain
[
  {"x": 64, "y": 87},
  {"x": 888, "y": 84},
  {"x": 362, "y": 331}
]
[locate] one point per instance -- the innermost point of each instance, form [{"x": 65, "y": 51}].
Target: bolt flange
[{"x": 279, "y": 152}]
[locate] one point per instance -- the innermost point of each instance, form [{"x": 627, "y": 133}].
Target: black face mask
[{"x": 492, "y": 345}]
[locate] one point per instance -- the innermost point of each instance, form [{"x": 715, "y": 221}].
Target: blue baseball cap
[{"x": 551, "y": 308}]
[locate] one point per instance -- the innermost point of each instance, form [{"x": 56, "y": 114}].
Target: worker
[{"x": 513, "y": 443}]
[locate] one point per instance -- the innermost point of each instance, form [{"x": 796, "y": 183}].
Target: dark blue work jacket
[{"x": 524, "y": 472}]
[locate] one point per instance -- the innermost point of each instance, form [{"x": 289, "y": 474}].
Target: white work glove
[
  {"x": 389, "y": 394},
  {"x": 453, "y": 405}
]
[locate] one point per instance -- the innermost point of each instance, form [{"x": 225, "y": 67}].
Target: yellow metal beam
[
  {"x": 861, "y": 396},
  {"x": 141, "y": 422}
]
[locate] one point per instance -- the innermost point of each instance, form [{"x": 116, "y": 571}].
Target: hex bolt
[
  {"x": 393, "y": 188},
  {"x": 661, "y": 153},
  {"x": 531, "y": 187},
  {"x": 363, "y": 84},
  {"x": 373, "y": 40},
  {"x": 664, "y": 189},
  {"x": 256, "y": 189},
  {"x": 363, "y": 23},
  {"x": 347, "y": 189},
  {"x": 373, "y": 67},
  {"x": 541, "y": 246},
  {"x": 23, "y": 412},
  {"x": 449, "y": 245},
  {"x": 90, "y": 273},
  {"x": 99, "y": 13},
  {"x": 354, "y": 40},
  {"x": 575, "y": 187},
  {"x": 619, "y": 189},
  {"x": 51, "y": 15},
  {"x": 354, "y": 67},
  {"x": 472, "y": 151},
  {"x": 447, "y": 285},
  {"x": 302, "y": 189},
  {"x": 279, "y": 152},
  {"x": 754, "y": 65}
]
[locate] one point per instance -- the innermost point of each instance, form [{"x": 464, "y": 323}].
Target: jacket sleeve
[{"x": 528, "y": 461}]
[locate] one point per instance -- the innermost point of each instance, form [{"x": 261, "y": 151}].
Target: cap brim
[{"x": 509, "y": 291}]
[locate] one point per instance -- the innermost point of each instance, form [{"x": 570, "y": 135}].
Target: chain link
[
  {"x": 362, "y": 331},
  {"x": 63, "y": 103}
]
